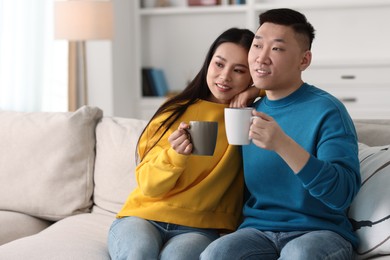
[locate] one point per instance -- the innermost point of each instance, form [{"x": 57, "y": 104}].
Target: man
[{"x": 302, "y": 168}]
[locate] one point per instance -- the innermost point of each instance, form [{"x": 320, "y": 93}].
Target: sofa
[{"x": 64, "y": 175}]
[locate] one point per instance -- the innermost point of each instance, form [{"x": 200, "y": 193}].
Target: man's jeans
[{"x": 249, "y": 243}]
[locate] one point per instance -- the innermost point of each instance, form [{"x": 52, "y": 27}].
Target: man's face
[{"x": 276, "y": 60}]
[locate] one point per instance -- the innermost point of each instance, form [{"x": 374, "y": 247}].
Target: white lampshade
[{"x": 80, "y": 20}]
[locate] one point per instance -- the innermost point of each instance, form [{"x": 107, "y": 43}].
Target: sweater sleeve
[
  {"x": 332, "y": 175},
  {"x": 162, "y": 166}
]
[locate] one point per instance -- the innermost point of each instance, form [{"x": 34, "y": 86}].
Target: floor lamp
[{"x": 79, "y": 21}]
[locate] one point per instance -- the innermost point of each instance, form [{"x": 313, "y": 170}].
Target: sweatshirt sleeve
[
  {"x": 161, "y": 168},
  {"x": 332, "y": 175},
  {"x": 334, "y": 185}
]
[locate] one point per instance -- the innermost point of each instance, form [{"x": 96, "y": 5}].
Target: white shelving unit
[
  {"x": 364, "y": 88},
  {"x": 177, "y": 39}
]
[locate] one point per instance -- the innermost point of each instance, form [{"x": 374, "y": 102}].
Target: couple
[{"x": 301, "y": 169}]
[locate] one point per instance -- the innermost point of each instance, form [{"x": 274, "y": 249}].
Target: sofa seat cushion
[
  {"x": 47, "y": 159},
  {"x": 116, "y": 140},
  {"x": 83, "y": 236},
  {"x": 370, "y": 210},
  {"x": 16, "y": 225}
]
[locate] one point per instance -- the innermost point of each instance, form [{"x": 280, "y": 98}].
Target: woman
[{"x": 183, "y": 201}]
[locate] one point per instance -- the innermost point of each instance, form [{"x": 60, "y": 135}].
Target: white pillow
[
  {"x": 370, "y": 210},
  {"x": 46, "y": 162},
  {"x": 116, "y": 140}
]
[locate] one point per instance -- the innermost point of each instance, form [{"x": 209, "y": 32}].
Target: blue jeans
[
  {"x": 250, "y": 243},
  {"x": 135, "y": 238}
]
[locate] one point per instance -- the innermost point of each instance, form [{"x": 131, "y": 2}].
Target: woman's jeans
[
  {"x": 135, "y": 238},
  {"x": 249, "y": 243}
]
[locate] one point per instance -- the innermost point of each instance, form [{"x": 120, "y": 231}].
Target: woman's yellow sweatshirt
[{"x": 189, "y": 190}]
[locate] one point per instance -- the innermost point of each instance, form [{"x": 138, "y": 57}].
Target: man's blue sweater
[{"x": 317, "y": 197}]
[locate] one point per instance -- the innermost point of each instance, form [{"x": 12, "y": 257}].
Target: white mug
[{"x": 237, "y": 124}]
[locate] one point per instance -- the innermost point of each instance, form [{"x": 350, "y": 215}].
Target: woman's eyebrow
[
  {"x": 220, "y": 57},
  {"x": 236, "y": 64}
]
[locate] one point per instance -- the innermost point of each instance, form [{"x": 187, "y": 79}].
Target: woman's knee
[
  {"x": 185, "y": 246},
  {"x": 130, "y": 235}
]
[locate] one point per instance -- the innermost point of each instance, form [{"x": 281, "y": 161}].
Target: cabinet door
[
  {"x": 365, "y": 91},
  {"x": 350, "y": 33}
]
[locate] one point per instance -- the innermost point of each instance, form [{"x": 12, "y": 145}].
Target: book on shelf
[
  {"x": 147, "y": 90},
  {"x": 154, "y": 82}
]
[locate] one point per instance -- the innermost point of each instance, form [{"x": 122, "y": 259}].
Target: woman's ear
[{"x": 306, "y": 60}]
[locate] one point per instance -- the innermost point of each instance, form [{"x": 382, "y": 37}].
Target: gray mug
[{"x": 203, "y": 136}]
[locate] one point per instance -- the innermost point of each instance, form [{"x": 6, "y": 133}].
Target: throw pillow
[
  {"x": 46, "y": 162},
  {"x": 370, "y": 210},
  {"x": 116, "y": 141}
]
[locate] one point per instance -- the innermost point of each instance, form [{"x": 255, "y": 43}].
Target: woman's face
[{"x": 228, "y": 72}]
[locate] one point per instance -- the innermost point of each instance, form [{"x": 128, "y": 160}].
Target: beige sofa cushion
[
  {"x": 16, "y": 225},
  {"x": 116, "y": 140},
  {"x": 373, "y": 132},
  {"x": 47, "y": 161},
  {"x": 81, "y": 237}
]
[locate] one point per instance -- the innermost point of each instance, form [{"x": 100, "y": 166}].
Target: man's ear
[{"x": 306, "y": 60}]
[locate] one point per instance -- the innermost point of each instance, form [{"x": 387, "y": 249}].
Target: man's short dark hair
[{"x": 294, "y": 19}]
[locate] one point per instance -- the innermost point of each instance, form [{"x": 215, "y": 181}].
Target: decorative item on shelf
[
  {"x": 155, "y": 3},
  {"x": 154, "y": 82},
  {"x": 162, "y": 3},
  {"x": 78, "y": 21},
  {"x": 237, "y": 2},
  {"x": 202, "y": 2}
]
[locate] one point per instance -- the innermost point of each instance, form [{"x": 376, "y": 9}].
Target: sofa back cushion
[
  {"x": 46, "y": 162},
  {"x": 373, "y": 132},
  {"x": 116, "y": 140}
]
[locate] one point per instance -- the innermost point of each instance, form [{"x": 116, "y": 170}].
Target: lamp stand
[
  {"x": 72, "y": 78},
  {"x": 83, "y": 55},
  {"x": 77, "y": 96}
]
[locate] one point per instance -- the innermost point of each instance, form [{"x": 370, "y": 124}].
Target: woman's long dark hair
[{"x": 197, "y": 88}]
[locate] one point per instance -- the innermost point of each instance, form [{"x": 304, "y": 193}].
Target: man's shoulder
[{"x": 322, "y": 96}]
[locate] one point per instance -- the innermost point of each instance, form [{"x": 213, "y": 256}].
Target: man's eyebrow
[
  {"x": 279, "y": 40},
  {"x": 258, "y": 37}
]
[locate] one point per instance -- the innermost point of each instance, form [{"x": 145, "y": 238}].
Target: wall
[{"x": 110, "y": 66}]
